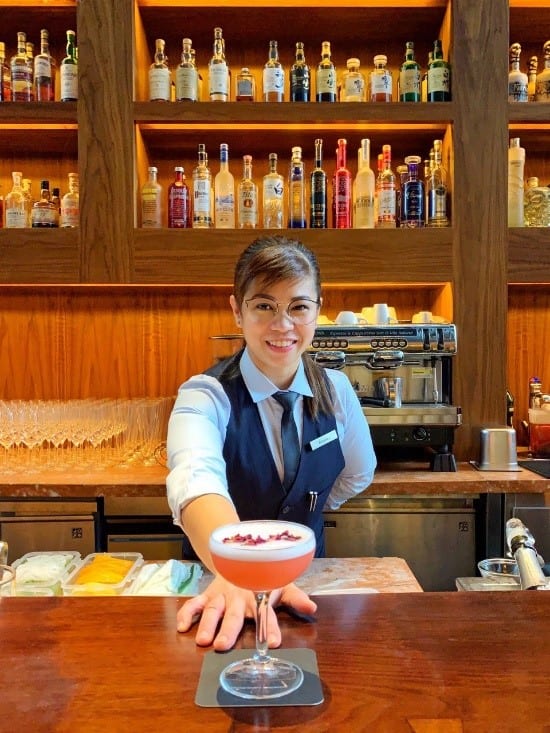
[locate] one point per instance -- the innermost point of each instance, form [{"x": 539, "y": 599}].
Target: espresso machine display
[{"x": 402, "y": 374}]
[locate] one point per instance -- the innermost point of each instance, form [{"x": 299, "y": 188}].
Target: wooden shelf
[
  {"x": 45, "y": 256},
  {"x": 529, "y": 255}
]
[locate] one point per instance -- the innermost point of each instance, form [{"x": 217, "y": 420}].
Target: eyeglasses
[{"x": 301, "y": 311}]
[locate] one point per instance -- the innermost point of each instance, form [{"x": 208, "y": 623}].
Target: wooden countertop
[{"x": 437, "y": 662}]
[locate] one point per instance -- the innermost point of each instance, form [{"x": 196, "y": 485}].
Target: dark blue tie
[{"x": 289, "y": 437}]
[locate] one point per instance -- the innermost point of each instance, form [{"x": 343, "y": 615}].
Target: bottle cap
[
  {"x": 353, "y": 62},
  {"x": 380, "y": 59}
]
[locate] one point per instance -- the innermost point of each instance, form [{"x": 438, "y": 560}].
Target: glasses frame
[{"x": 286, "y": 310}]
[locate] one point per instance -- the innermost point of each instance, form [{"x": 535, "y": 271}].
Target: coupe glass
[{"x": 261, "y": 556}]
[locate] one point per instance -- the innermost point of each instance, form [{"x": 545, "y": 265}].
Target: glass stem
[{"x": 262, "y": 606}]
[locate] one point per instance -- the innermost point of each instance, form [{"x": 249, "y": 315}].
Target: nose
[{"x": 282, "y": 321}]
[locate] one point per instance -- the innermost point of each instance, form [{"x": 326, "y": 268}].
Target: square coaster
[{"x": 210, "y": 694}]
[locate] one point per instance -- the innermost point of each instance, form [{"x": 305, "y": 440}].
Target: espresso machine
[{"x": 402, "y": 374}]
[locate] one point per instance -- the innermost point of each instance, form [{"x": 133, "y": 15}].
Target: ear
[{"x": 236, "y": 310}]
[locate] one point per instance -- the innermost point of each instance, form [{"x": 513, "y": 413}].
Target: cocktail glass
[{"x": 261, "y": 556}]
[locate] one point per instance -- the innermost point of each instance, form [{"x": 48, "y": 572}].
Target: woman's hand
[{"x": 224, "y": 602}]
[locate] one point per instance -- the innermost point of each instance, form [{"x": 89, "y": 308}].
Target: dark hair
[{"x": 271, "y": 259}]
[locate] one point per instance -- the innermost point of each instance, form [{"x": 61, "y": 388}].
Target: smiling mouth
[{"x": 282, "y": 343}]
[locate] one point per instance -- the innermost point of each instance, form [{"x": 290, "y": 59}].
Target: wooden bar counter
[{"x": 389, "y": 663}]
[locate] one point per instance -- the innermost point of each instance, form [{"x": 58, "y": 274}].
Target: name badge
[{"x": 323, "y": 440}]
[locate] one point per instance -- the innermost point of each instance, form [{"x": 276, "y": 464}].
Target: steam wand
[{"x": 521, "y": 543}]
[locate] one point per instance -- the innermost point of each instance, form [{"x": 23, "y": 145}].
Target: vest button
[{"x": 286, "y": 510}]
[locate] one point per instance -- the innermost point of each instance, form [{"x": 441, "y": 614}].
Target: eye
[
  {"x": 301, "y": 306},
  {"x": 264, "y": 306}
]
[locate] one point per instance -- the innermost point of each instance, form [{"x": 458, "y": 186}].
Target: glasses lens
[{"x": 302, "y": 311}]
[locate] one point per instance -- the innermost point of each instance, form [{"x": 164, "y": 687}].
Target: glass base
[{"x": 260, "y": 680}]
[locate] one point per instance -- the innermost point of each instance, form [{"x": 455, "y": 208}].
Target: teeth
[{"x": 281, "y": 344}]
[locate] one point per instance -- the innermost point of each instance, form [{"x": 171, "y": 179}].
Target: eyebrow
[{"x": 270, "y": 297}]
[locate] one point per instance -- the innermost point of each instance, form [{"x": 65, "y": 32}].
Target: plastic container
[
  {"x": 71, "y": 586},
  {"x": 52, "y": 580}
]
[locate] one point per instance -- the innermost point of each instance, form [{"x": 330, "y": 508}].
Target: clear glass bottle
[
  {"x": 381, "y": 82},
  {"x": 248, "y": 197},
  {"x": 21, "y": 72},
  {"x": 44, "y": 71},
  {"x": 159, "y": 74},
  {"x": 187, "y": 83},
  {"x": 179, "y": 203},
  {"x": 224, "y": 193},
  {"x": 402, "y": 176},
  {"x": 353, "y": 83},
  {"x": 56, "y": 201},
  {"x": 532, "y": 78},
  {"x": 245, "y": 86},
  {"x": 273, "y": 191},
  {"x": 437, "y": 191},
  {"x": 70, "y": 204},
  {"x": 300, "y": 77},
  {"x": 325, "y": 77},
  {"x": 517, "y": 80},
  {"x": 44, "y": 212},
  {"x": 26, "y": 185},
  {"x": 386, "y": 192},
  {"x": 273, "y": 76},
  {"x": 413, "y": 195},
  {"x": 542, "y": 84},
  {"x": 364, "y": 185},
  {"x": 69, "y": 71},
  {"x": 218, "y": 71},
  {"x": 151, "y": 201},
  {"x": 5, "y": 75},
  {"x": 202, "y": 192},
  {"x": 15, "y": 205},
  {"x": 536, "y": 204},
  {"x": 199, "y": 76},
  {"x": 318, "y": 203},
  {"x": 341, "y": 189},
  {"x": 409, "y": 76},
  {"x": 297, "y": 191},
  {"x": 439, "y": 76},
  {"x": 29, "y": 51},
  {"x": 516, "y": 166}
]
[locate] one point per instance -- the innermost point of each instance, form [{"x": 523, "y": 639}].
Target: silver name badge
[{"x": 323, "y": 440}]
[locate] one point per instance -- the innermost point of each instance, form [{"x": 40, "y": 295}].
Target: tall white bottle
[
  {"x": 364, "y": 185},
  {"x": 516, "y": 165},
  {"x": 224, "y": 193}
]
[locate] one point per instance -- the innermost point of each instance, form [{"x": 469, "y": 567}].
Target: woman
[{"x": 224, "y": 436}]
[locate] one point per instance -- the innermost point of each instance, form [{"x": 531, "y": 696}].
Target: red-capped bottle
[
  {"x": 179, "y": 209},
  {"x": 341, "y": 189}
]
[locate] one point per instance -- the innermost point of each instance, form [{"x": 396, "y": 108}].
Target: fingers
[{"x": 298, "y": 600}]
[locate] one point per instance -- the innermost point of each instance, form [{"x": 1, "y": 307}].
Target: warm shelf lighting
[
  {"x": 292, "y": 3},
  {"x": 255, "y": 127},
  {"x": 42, "y": 127}
]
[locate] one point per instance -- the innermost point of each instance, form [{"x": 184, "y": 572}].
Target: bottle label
[
  {"x": 273, "y": 188},
  {"x": 69, "y": 216},
  {"x": 386, "y": 204},
  {"x": 244, "y": 88},
  {"x": 218, "y": 79},
  {"x": 364, "y": 211},
  {"x": 159, "y": 84},
  {"x": 318, "y": 213},
  {"x": 299, "y": 84},
  {"x": 43, "y": 216},
  {"x": 247, "y": 208},
  {"x": 150, "y": 209},
  {"x": 542, "y": 90},
  {"x": 273, "y": 80},
  {"x": 437, "y": 203},
  {"x": 16, "y": 218},
  {"x": 381, "y": 83},
  {"x": 69, "y": 81},
  {"x": 42, "y": 67},
  {"x": 21, "y": 83},
  {"x": 201, "y": 198},
  {"x": 517, "y": 90},
  {"x": 225, "y": 210},
  {"x": 409, "y": 82},
  {"x": 439, "y": 79},
  {"x": 186, "y": 84},
  {"x": 354, "y": 88},
  {"x": 413, "y": 202},
  {"x": 326, "y": 81},
  {"x": 178, "y": 206}
]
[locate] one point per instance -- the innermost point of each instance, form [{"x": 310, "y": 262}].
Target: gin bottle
[
  {"x": 21, "y": 72},
  {"x": 386, "y": 192},
  {"x": 273, "y": 196},
  {"x": 44, "y": 71},
  {"x": 353, "y": 83},
  {"x": 202, "y": 192},
  {"x": 363, "y": 204},
  {"x": 439, "y": 76},
  {"x": 218, "y": 71},
  {"x": 5, "y": 75},
  {"x": 381, "y": 83},
  {"x": 325, "y": 76},
  {"x": 187, "y": 83},
  {"x": 69, "y": 71},
  {"x": 318, "y": 214},
  {"x": 297, "y": 191},
  {"x": 409, "y": 76},
  {"x": 273, "y": 77},
  {"x": 341, "y": 189},
  {"x": 517, "y": 80},
  {"x": 299, "y": 77},
  {"x": 437, "y": 196},
  {"x": 159, "y": 75},
  {"x": 248, "y": 197},
  {"x": 412, "y": 195},
  {"x": 15, "y": 205},
  {"x": 542, "y": 85},
  {"x": 151, "y": 201},
  {"x": 224, "y": 193},
  {"x": 179, "y": 203},
  {"x": 70, "y": 204}
]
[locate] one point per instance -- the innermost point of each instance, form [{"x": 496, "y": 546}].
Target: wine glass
[{"x": 261, "y": 556}]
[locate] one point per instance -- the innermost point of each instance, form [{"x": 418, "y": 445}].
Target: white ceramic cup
[
  {"x": 346, "y": 318},
  {"x": 7, "y": 580},
  {"x": 422, "y": 317},
  {"x": 381, "y": 314}
]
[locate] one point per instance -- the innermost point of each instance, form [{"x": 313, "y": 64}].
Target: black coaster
[
  {"x": 537, "y": 465},
  {"x": 210, "y": 694}
]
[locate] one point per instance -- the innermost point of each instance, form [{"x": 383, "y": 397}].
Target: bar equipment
[{"x": 521, "y": 545}]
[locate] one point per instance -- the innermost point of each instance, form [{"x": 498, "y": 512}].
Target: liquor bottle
[
  {"x": 26, "y": 185},
  {"x": 159, "y": 74},
  {"x": 69, "y": 71},
  {"x": 386, "y": 192},
  {"x": 202, "y": 192},
  {"x": 516, "y": 164},
  {"x": 151, "y": 201},
  {"x": 353, "y": 83},
  {"x": 187, "y": 83},
  {"x": 542, "y": 86},
  {"x": 273, "y": 196},
  {"x": 424, "y": 82},
  {"x": 70, "y": 204},
  {"x": 15, "y": 205},
  {"x": 517, "y": 80},
  {"x": 273, "y": 76},
  {"x": 179, "y": 203},
  {"x": 21, "y": 72},
  {"x": 536, "y": 207},
  {"x": 412, "y": 195},
  {"x": 535, "y": 393},
  {"x": 5, "y": 75},
  {"x": 341, "y": 189},
  {"x": 325, "y": 77},
  {"x": 297, "y": 191},
  {"x": 299, "y": 77},
  {"x": 248, "y": 197},
  {"x": 224, "y": 193},
  {"x": 363, "y": 200},
  {"x": 439, "y": 76},
  {"x": 409, "y": 76},
  {"x": 218, "y": 71},
  {"x": 381, "y": 83},
  {"x": 29, "y": 52},
  {"x": 402, "y": 176},
  {"x": 44, "y": 71},
  {"x": 44, "y": 213},
  {"x": 199, "y": 75},
  {"x": 245, "y": 86},
  {"x": 437, "y": 214},
  {"x": 318, "y": 211},
  {"x": 532, "y": 78},
  {"x": 56, "y": 201}
]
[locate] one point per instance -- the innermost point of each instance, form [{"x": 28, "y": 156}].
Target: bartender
[{"x": 266, "y": 434}]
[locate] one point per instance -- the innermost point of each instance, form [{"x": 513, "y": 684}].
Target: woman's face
[{"x": 275, "y": 342}]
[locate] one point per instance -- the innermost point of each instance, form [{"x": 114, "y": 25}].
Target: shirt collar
[{"x": 260, "y": 387}]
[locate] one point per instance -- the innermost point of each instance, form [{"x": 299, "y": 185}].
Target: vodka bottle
[
  {"x": 353, "y": 83},
  {"x": 413, "y": 195},
  {"x": 187, "y": 83},
  {"x": 70, "y": 204},
  {"x": 245, "y": 86},
  {"x": 202, "y": 192},
  {"x": 224, "y": 193},
  {"x": 44, "y": 71},
  {"x": 341, "y": 189},
  {"x": 69, "y": 71},
  {"x": 273, "y": 196},
  {"x": 21, "y": 72},
  {"x": 5, "y": 75},
  {"x": 248, "y": 197},
  {"x": 402, "y": 172},
  {"x": 159, "y": 75},
  {"x": 15, "y": 205},
  {"x": 151, "y": 201},
  {"x": 542, "y": 85},
  {"x": 532, "y": 78},
  {"x": 318, "y": 215},
  {"x": 179, "y": 202},
  {"x": 299, "y": 77},
  {"x": 297, "y": 191},
  {"x": 218, "y": 71},
  {"x": 409, "y": 76},
  {"x": 381, "y": 83},
  {"x": 386, "y": 192},
  {"x": 439, "y": 76},
  {"x": 516, "y": 164},
  {"x": 363, "y": 204},
  {"x": 517, "y": 80},
  {"x": 325, "y": 76},
  {"x": 273, "y": 76},
  {"x": 44, "y": 212},
  {"x": 437, "y": 190}
]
